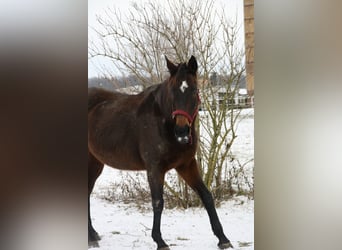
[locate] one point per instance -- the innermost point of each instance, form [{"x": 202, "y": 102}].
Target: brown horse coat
[{"x": 152, "y": 131}]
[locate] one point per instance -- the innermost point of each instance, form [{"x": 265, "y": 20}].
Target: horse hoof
[
  {"x": 225, "y": 245},
  {"x": 163, "y": 248},
  {"x": 94, "y": 243},
  {"x": 93, "y": 236}
]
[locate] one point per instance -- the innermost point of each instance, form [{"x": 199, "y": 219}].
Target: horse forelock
[
  {"x": 182, "y": 70},
  {"x": 183, "y": 73}
]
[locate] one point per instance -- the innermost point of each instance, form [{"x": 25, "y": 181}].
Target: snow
[
  {"x": 242, "y": 91},
  {"x": 125, "y": 226},
  {"x": 122, "y": 226}
]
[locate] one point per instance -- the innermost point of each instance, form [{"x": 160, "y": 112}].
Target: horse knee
[{"x": 158, "y": 205}]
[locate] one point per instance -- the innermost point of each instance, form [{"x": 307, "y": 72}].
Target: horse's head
[{"x": 183, "y": 94}]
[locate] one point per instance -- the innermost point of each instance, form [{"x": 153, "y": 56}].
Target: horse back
[
  {"x": 112, "y": 128},
  {"x": 97, "y": 96}
]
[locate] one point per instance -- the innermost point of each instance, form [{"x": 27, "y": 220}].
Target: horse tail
[{"x": 97, "y": 96}]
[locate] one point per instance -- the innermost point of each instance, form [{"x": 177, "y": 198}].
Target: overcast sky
[{"x": 233, "y": 8}]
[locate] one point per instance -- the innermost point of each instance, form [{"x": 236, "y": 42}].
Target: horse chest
[{"x": 177, "y": 157}]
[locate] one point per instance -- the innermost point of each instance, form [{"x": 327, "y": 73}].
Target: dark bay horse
[{"x": 152, "y": 131}]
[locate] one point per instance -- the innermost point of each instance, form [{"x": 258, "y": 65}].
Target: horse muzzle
[
  {"x": 182, "y": 129},
  {"x": 182, "y": 134}
]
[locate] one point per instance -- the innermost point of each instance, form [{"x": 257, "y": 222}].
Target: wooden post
[{"x": 249, "y": 47}]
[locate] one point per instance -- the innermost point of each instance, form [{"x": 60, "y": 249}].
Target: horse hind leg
[{"x": 94, "y": 170}]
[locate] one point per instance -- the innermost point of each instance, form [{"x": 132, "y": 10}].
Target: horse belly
[
  {"x": 111, "y": 138},
  {"x": 124, "y": 163},
  {"x": 120, "y": 153},
  {"x": 119, "y": 160}
]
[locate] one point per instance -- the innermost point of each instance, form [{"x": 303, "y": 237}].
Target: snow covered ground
[{"x": 124, "y": 226}]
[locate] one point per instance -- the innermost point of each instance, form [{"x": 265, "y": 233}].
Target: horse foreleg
[
  {"x": 192, "y": 177},
  {"x": 156, "y": 182}
]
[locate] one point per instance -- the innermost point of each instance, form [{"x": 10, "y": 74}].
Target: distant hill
[
  {"x": 129, "y": 81},
  {"x": 114, "y": 83},
  {"x": 101, "y": 82}
]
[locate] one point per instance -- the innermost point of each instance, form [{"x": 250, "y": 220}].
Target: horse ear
[
  {"x": 192, "y": 65},
  {"x": 172, "y": 68}
]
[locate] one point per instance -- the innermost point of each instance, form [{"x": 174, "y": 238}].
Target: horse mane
[{"x": 151, "y": 102}]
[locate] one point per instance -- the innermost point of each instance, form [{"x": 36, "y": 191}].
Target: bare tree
[{"x": 180, "y": 29}]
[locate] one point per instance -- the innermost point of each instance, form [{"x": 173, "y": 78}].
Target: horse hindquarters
[{"x": 94, "y": 170}]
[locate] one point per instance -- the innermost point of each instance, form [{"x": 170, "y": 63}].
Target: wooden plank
[
  {"x": 249, "y": 11},
  {"x": 248, "y": 2}
]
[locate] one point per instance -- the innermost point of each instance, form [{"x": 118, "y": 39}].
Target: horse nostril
[{"x": 183, "y": 140}]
